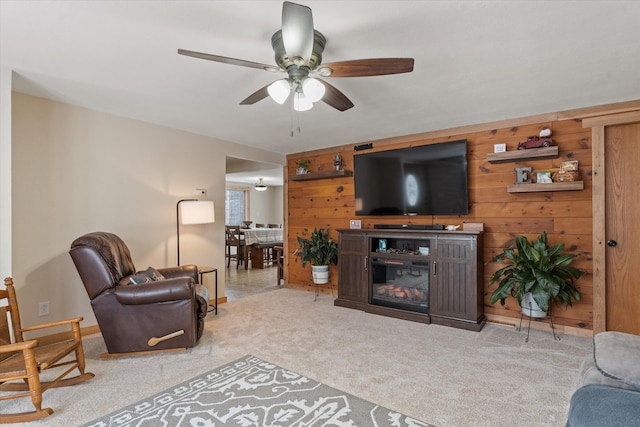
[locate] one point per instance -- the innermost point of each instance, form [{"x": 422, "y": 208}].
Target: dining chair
[
  {"x": 234, "y": 245},
  {"x": 278, "y": 253},
  {"x": 269, "y": 253}
]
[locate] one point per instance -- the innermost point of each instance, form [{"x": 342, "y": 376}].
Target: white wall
[
  {"x": 5, "y": 171},
  {"x": 266, "y": 207},
  {"x": 77, "y": 171}
]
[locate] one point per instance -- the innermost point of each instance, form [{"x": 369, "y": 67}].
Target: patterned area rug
[{"x": 252, "y": 392}]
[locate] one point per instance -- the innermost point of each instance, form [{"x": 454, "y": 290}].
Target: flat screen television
[{"x": 423, "y": 180}]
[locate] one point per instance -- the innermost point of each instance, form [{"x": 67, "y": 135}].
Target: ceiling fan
[{"x": 298, "y": 51}]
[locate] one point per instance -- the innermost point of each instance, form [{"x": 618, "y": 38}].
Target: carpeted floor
[
  {"x": 253, "y": 392},
  {"x": 440, "y": 375}
]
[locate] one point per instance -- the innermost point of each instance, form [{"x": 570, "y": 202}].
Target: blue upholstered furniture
[{"x": 608, "y": 391}]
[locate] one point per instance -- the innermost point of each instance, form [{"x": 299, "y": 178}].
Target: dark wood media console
[{"x": 429, "y": 276}]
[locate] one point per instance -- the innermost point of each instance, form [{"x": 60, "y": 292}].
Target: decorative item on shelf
[
  {"x": 545, "y": 132},
  {"x": 542, "y": 140},
  {"x": 568, "y": 172},
  {"x": 472, "y": 226},
  {"x": 452, "y": 227},
  {"x": 543, "y": 178},
  {"x": 337, "y": 162},
  {"x": 539, "y": 270},
  {"x": 302, "y": 167},
  {"x": 523, "y": 175},
  {"x": 499, "y": 148}
]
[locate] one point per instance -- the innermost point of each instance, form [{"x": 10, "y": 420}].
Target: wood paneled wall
[{"x": 565, "y": 216}]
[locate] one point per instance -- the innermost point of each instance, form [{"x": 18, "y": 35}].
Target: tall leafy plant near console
[
  {"x": 536, "y": 268},
  {"x": 320, "y": 251}
]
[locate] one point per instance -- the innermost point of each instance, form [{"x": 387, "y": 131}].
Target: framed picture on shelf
[{"x": 543, "y": 177}]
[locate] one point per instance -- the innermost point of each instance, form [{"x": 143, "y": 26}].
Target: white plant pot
[
  {"x": 320, "y": 274},
  {"x": 530, "y": 307},
  {"x": 301, "y": 171}
]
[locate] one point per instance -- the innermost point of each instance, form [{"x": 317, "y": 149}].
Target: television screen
[{"x": 424, "y": 180}]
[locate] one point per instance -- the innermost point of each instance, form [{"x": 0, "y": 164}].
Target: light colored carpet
[{"x": 437, "y": 374}]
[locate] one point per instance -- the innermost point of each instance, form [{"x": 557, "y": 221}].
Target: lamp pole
[{"x": 178, "y": 224}]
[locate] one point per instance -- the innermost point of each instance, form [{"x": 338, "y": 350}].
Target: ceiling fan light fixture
[
  {"x": 279, "y": 90},
  {"x": 301, "y": 102},
  {"x": 261, "y": 186},
  {"x": 313, "y": 89}
]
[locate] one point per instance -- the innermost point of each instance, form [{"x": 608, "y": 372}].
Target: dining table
[{"x": 256, "y": 240}]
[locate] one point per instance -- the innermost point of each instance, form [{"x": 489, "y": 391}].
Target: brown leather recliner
[{"x": 166, "y": 312}]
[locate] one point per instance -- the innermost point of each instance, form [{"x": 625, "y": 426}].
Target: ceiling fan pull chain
[{"x": 291, "y": 114}]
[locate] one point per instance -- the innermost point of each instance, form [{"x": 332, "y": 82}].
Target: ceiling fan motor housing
[{"x": 283, "y": 60}]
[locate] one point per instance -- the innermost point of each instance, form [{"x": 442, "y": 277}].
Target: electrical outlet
[
  {"x": 355, "y": 224},
  {"x": 43, "y": 308}
]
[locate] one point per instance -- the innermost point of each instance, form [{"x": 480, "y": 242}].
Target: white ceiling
[
  {"x": 475, "y": 61},
  {"x": 246, "y": 172}
]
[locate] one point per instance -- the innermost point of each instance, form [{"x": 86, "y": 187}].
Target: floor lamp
[{"x": 192, "y": 211}]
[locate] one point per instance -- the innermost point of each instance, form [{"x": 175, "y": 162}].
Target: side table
[{"x": 205, "y": 270}]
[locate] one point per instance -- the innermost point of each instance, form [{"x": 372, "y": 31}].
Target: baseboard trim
[{"x": 541, "y": 326}]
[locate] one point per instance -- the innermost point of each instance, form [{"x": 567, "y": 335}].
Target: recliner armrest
[
  {"x": 180, "y": 288},
  {"x": 189, "y": 270}
]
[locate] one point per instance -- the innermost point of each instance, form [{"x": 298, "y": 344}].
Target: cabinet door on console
[
  {"x": 354, "y": 271},
  {"x": 453, "y": 285}
]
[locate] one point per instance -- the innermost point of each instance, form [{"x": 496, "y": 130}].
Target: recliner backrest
[{"x": 102, "y": 259}]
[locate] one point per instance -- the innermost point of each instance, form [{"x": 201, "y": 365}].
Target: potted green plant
[
  {"x": 536, "y": 274},
  {"x": 320, "y": 251},
  {"x": 302, "y": 167}
]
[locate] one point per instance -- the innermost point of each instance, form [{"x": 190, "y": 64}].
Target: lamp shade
[{"x": 197, "y": 212}]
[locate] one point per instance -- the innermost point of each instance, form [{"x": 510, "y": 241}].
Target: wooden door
[{"x": 622, "y": 227}]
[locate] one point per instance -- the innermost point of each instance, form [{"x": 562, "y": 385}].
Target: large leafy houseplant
[
  {"x": 319, "y": 249},
  {"x": 536, "y": 268}
]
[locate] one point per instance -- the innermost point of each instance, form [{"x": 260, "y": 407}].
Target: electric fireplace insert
[{"x": 400, "y": 283}]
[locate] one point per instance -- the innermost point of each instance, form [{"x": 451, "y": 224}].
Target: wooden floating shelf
[
  {"x": 518, "y": 155},
  {"x": 552, "y": 186},
  {"x": 320, "y": 175}
]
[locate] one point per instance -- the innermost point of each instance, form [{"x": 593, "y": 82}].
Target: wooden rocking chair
[{"x": 23, "y": 361}]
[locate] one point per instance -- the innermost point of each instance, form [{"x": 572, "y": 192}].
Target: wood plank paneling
[{"x": 565, "y": 216}]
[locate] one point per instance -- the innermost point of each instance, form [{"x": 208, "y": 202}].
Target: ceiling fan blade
[
  {"x": 366, "y": 67},
  {"x": 226, "y": 60},
  {"x": 297, "y": 32},
  {"x": 256, "y": 96},
  {"x": 335, "y": 98}
]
